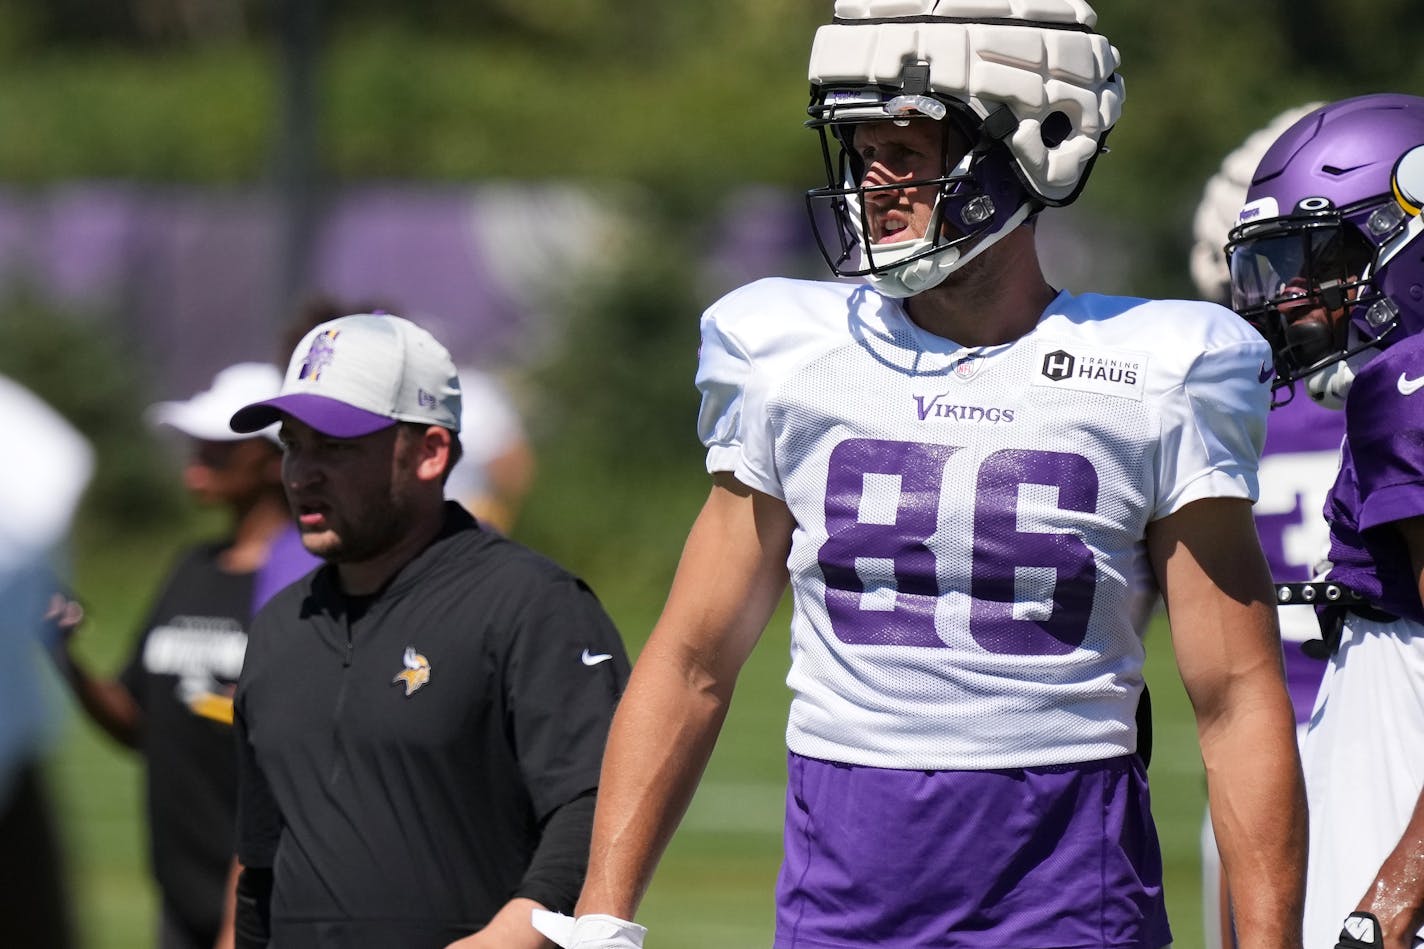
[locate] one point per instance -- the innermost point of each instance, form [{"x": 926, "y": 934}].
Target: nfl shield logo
[{"x": 965, "y": 367}]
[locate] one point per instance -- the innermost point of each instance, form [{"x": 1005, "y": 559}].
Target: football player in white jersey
[
  {"x": 1327, "y": 261},
  {"x": 969, "y": 478},
  {"x": 1298, "y": 464}
]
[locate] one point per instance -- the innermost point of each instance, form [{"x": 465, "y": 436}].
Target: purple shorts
[{"x": 1061, "y": 857}]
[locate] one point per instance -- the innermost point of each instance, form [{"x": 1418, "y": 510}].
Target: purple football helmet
[{"x": 1327, "y": 258}]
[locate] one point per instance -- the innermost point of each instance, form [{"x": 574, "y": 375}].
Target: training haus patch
[{"x": 1104, "y": 371}]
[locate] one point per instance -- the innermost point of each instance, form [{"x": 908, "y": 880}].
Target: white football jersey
[{"x": 969, "y": 542}]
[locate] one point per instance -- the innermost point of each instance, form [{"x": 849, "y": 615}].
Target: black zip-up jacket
[{"x": 401, "y": 754}]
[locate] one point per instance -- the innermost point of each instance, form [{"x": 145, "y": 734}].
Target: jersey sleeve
[
  {"x": 1383, "y": 425},
  {"x": 564, "y": 675},
  {"x": 734, "y": 369},
  {"x": 723, "y": 370},
  {"x": 1214, "y": 425}
]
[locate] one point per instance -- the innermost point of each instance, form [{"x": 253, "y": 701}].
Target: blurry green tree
[{"x": 689, "y": 101}]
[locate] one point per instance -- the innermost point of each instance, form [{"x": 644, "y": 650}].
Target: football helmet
[
  {"x": 1221, "y": 202},
  {"x": 1327, "y": 258},
  {"x": 1027, "y": 84}
]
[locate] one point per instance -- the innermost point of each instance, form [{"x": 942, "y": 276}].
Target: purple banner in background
[{"x": 193, "y": 276}]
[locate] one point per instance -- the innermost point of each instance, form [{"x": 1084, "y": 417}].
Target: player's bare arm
[
  {"x": 106, "y": 701},
  {"x": 1218, "y": 595},
  {"x": 1396, "y": 896},
  {"x": 728, "y": 583}
]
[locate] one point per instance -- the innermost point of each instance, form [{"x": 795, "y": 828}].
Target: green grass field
[{"x": 714, "y": 888}]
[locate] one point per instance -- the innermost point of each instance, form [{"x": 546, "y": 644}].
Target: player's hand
[
  {"x": 64, "y": 615},
  {"x": 1361, "y": 931},
  {"x": 595, "y": 931}
]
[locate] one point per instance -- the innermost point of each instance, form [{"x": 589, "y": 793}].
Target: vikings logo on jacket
[{"x": 416, "y": 672}]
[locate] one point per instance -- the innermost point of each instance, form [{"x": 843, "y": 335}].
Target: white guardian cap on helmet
[{"x": 1027, "y": 83}]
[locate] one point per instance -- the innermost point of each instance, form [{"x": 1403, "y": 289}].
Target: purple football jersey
[
  {"x": 1381, "y": 479},
  {"x": 287, "y": 562},
  {"x": 1298, "y": 466},
  {"x": 1060, "y": 856}
]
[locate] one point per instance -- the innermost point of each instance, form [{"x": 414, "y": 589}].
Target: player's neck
[{"x": 996, "y": 298}]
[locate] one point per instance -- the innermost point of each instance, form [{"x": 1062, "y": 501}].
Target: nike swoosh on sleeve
[{"x": 593, "y": 659}]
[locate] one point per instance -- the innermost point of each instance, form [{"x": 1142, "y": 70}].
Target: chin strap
[
  {"x": 917, "y": 276},
  {"x": 1329, "y": 386}
]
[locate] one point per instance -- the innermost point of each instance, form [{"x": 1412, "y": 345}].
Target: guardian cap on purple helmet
[{"x": 1332, "y": 224}]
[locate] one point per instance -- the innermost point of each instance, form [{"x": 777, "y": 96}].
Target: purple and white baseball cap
[
  {"x": 205, "y": 416},
  {"x": 359, "y": 374}
]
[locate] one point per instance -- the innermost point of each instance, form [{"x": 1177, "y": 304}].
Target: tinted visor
[
  {"x": 1288, "y": 260},
  {"x": 1296, "y": 280}
]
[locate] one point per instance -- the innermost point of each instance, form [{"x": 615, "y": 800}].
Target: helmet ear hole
[{"x": 1055, "y": 129}]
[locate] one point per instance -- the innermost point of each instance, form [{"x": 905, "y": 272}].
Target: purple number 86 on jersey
[{"x": 882, "y": 509}]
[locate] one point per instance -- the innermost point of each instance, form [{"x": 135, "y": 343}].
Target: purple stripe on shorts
[{"x": 1038, "y": 858}]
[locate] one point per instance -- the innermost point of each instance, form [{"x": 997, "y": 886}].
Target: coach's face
[{"x": 351, "y": 496}]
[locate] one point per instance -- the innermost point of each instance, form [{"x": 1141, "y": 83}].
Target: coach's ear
[{"x": 430, "y": 451}]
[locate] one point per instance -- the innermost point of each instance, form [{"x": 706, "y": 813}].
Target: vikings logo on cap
[
  {"x": 416, "y": 672},
  {"x": 319, "y": 356}
]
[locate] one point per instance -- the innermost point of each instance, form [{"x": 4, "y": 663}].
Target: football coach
[{"x": 420, "y": 721}]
